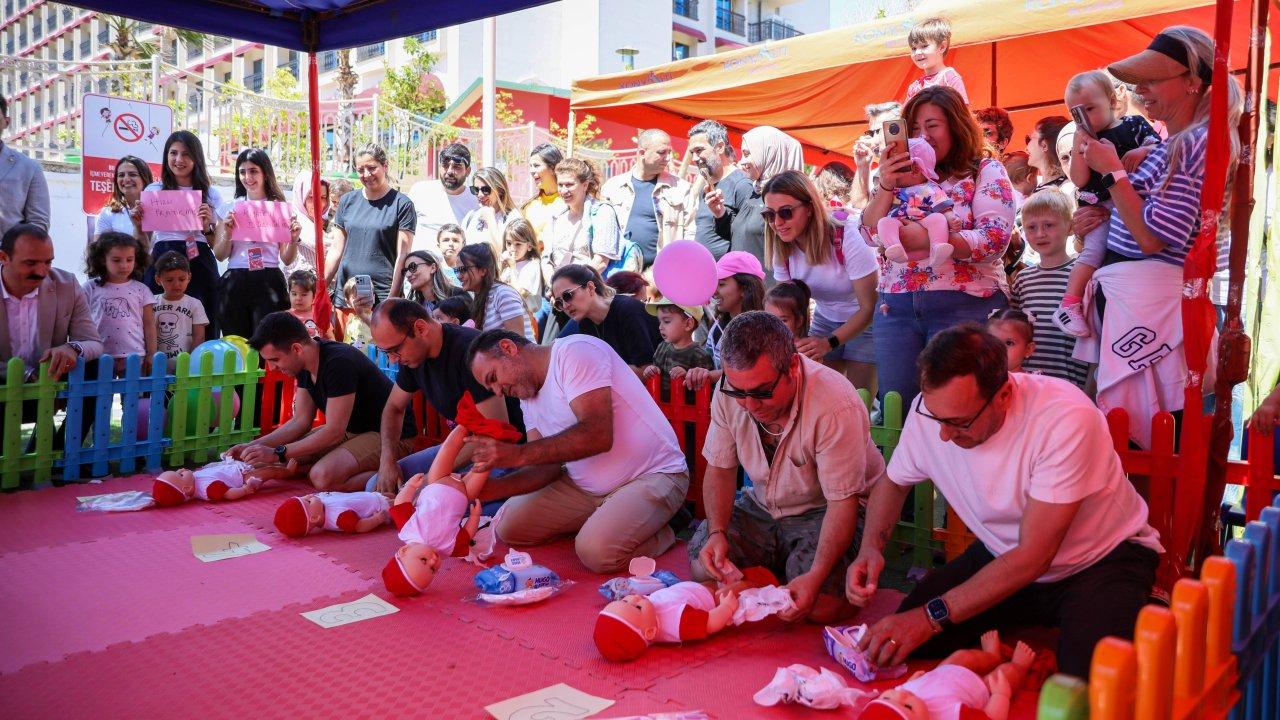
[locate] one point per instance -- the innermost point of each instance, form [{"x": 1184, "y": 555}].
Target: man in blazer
[
  {"x": 44, "y": 314},
  {"x": 24, "y": 193}
]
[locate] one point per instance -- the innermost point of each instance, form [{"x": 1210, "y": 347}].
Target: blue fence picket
[
  {"x": 1257, "y": 615},
  {"x": 382, "y": 360}
]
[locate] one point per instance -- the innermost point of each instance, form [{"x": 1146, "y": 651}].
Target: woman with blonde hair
[
  {"x": 803, "y": 242},
  {"x": 497, "y": 208}
]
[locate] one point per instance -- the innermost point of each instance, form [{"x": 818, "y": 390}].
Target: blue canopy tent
[{"x": 310, "y": 26}]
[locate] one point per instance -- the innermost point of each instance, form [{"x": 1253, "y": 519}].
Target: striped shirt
[
  {"x": 1038, "y": 291},
  {"x": 1172, "y": 214}
]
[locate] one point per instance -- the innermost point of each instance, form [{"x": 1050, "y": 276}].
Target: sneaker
[{"x": 1070, "y": 320}]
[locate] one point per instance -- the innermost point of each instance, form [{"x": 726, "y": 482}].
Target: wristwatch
[
  {"x": 938, "y": 612},
  {"x": 1114, "y": 177},
  {"x": 76, "y": 347},
  {"x": 833, "y": 341},
  {"x": 280, "y": 452}
]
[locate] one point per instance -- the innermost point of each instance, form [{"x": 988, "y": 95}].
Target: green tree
[
  {"x": 585, "y": 134},
  {"x": 403, "y": 86}
]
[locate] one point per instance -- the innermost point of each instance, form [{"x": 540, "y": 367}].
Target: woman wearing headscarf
[
  {"x": 303, "y": 204},
  {"x": 766, "y": 151}
]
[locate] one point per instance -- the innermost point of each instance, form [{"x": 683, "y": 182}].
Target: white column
[{"x": 488, "y": 102}]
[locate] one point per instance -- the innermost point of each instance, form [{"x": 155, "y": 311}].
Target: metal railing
[
  {"x": 368, "y": 52},
  {"x": 685, "y": 8},
  {"x": 771, "y": 30},
  {"x": 253, "y": 81},
  {"x": 730, "y": 21},
  {"x": 427, "y": 36},
  {"x": 328, "y": 60}
]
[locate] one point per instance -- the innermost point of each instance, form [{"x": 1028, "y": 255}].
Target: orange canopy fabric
[{"x": 1017, "y": 54}]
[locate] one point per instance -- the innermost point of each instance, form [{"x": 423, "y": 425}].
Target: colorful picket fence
[
  {"x": 37, "y": 458},
  {"x": 90, "y": 394},
  {"x": 1214, "y": 653}
]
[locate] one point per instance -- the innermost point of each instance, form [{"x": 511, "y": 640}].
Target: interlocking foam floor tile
[
  {"x": 415, "y": 663},
  {"x": 87, "y": 596},
  {"x": 43, "y": 518}
]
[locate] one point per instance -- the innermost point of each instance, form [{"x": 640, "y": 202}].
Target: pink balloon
[
  {"x": 144, "y": 418},
  {"x": 685, "y": 272},
  {"x": 215, "y": 418}
]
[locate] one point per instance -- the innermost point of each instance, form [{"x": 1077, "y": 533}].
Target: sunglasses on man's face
[
  {"x": 481, "y": 190},
  {"x": 566, "y": 297},
  {"x": 757, "y": 394},
  {"x": 784, "y": 213},
  {"x": 447, "y": 160}
]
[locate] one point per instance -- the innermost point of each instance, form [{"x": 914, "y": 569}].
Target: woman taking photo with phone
[
  {"x": 184, "y": 169},
  {"x": 253, "y": 286},
  {"x": 373, "y": 230},
  {"x": 918, "y": 300}
]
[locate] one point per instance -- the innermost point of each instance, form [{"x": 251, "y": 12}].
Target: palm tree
[
  {"x": 127, "y": 43},
  {"x": 343, "y": 138}
]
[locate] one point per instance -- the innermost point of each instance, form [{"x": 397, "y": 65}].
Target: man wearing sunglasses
[
  {"x": 649, "y": 199},
  {"x": 1027, "y": 463},
  {"x": 444, "y": 200},
  {"x": 602, "y": 462},
  {"x": 799, "y": 431}
]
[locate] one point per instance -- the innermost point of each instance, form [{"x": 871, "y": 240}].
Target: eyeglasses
[
  {"x": 413, "y": 267},
  {"x": 395, "y": 349},
  {"x": 784, "y": 213},
  {"x": 447, "y": 160},
  {"x": 481, "y": 190},
  {"x": 566, "y": 297},
  {"x": 957, "y": 424},
  {"x": 760, "y": 394}
]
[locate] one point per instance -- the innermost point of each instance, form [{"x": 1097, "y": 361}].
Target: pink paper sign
[
  {"x": 176, "y": 210},
  {"x": 264, "y": 221}
]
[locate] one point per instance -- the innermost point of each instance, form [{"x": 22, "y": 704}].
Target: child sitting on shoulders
[
  {"x": 122, "y": 307},
  {"x": 789, "y": 301},
  {"x": 454, "y": 310},
  {"x": 302, "y": 298},
  {"x": 428, "y": 521},
  {"x": 677, "y": 352},
  {"x": 1038, "y": 289},
  {"x": 1015, "y": 330},
  {"x": 1133, "y": 137},
  {"x": 180, "y": 319},
  {"x": 929, "y": 41}
]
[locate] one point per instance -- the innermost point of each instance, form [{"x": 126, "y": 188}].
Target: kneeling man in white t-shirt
[
  {"x": 1027, "y": 463},
  {"x": 601, "y": 460}
]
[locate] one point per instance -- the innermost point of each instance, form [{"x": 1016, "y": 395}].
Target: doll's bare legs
[
  {"x": 940, "y": 248},
  {"x": 980, "y": 661},
  {"x": 888, "y": 229},
  {"x": 1005, "y": 680}
]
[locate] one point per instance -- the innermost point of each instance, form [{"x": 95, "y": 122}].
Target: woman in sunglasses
[
  {"x": 495, "y": 303},
  {"x": 622, "y": 322},
  {"x": 804, "y": 242},
  {"x": 487, "y": 222},
  {"x": 917, "y": 300},
  {"x": 428, "y": 285}
]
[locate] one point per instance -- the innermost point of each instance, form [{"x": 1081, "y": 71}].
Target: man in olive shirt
[{"x": 802, "y": 435}]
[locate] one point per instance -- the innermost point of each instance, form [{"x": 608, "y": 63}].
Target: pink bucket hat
[
  {"x": 924, "y": 157},
  {"x": 738, "y": 261}
]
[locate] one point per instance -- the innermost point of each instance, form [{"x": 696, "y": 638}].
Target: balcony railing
[
  {"x": 368, "y": 52},
  {"x": 37, "y": 30},
  {"x": 291, "y": 66},
  {"x": 86, "y": 47},
  {"x": 771, "y": 30},
  {"x": 328, "y": 61},
  {"x": 730, "y": 21},
  {"x": 69, "y": 53},
  {"x": 426, "y": 37},
  {"x": 253, "y": 81},
  {"x": 685, "y": 8},
  {"x": 104, "y": 36},
  {"x": 51, "y": 21}
]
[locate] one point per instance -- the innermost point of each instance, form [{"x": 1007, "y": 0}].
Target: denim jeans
[
  {"x": 420, "y": 462},
  {"x": 905, "y": 322}
]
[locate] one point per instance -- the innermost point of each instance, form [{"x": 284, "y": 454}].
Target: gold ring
[{"x": 891, "y": 641}]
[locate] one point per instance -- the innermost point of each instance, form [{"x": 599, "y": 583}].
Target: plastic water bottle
[{"x": 517, "y": 572}]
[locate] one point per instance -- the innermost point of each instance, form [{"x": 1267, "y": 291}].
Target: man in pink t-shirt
[{"x": 1027, "y": 463}]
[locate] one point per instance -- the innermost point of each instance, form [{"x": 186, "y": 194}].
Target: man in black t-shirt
[
  {"x": 730, "y": 189},
  {"x": 339, "y": 381},
  {"x": 433, "y": 359}
]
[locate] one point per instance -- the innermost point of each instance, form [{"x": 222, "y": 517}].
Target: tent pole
[
  {"x": 573, "y": 122},
  {"x": 321, "y": 309},
  {"x": 489, "y": 151}
]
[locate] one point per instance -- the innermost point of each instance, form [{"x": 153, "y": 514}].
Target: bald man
[{"x": 650, "y": 200}]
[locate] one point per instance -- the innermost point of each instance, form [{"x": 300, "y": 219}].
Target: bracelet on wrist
[{"x": 717, "y": 530}]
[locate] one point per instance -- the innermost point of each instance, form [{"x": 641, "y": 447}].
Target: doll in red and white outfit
[
  {"x": 216, "y": 482},
  {"x": 968, "y": 685},
  {"x": 347, "y": 512},
  {"x": 431, "y": 525}
]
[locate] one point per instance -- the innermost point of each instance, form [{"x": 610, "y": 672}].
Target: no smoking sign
[{"x": 129, "y": 127}]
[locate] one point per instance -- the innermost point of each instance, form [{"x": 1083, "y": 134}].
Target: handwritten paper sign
[
  {"x": 211, "y": 548},
  {"x": 368, "y": 607},
  {"x": 558, "y": 702},
  {"x": 176, "y": 210},
  {"x": 263, "y": 221}
]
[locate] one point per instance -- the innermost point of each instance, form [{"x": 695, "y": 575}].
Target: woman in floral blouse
[{"x": 918, "y": 300}]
